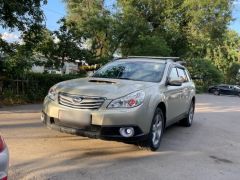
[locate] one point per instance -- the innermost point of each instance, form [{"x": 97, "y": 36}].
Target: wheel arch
[
  {"x": 162, "y": 106},
  {"x": 194, "y": 99}
]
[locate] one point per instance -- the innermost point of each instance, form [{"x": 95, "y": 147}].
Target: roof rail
[
  {"x": 157, "y": 57},
  {"x": 116, "y": 58},
  {"x": 167, "y": 59}
]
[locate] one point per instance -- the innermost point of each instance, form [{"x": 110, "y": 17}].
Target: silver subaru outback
[{"x": 132, "y": 100}]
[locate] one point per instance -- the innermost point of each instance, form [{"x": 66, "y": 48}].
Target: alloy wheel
[
  {"x": 191, "y": 114},
  {"x": 157, "y": 130}
]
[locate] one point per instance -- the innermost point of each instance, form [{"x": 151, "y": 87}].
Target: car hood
[{"x": 109, "y": 88}]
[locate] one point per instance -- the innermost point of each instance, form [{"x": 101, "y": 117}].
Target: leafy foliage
[
  {"x": 20, "y": 14},
  {"x": 233, "y": 73},
  {"x": 151, "y": 45},
  {"x": 204, "y": 73},
  {"x": 18, "y": 62},
  {"x": 33, "y": 87},
  {"x": 188, "y": 27},
  {"x": 177, "y": 28},
  {"x": 224, "y": 55}
]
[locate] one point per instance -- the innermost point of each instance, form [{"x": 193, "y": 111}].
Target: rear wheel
[{"x": 187, "y": 122}]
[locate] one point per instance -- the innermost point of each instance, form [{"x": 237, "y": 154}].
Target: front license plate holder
[{"x": 81, "y": 119}]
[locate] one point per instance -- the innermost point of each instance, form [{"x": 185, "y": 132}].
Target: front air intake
[{"x": 80, "y": 102}]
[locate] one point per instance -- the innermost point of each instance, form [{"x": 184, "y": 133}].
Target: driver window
[
  {"x": 182, "y": 75},
  {"x": 173, "y": 74}
]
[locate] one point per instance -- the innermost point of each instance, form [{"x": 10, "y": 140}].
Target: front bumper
[
  {"x": 103, "y": 123},
  {"x": 94, "y": 131}
]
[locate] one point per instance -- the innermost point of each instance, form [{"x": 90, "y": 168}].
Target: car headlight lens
[
  {"x": 52, "y": 93},
  {"x": 132, "y": 100}
]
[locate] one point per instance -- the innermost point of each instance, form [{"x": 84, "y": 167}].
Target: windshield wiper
[
  {"x": 112, "y": 77},
  {"x": 124, "y": 78}
]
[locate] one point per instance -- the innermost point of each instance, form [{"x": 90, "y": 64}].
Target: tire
[
  {"x": 154, "y": 137},
  {"x": 187, "y": 122},
  {"x": 216, "y": 92}
]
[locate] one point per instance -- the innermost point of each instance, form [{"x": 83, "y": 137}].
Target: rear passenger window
[{"x": 182, "y": 74}]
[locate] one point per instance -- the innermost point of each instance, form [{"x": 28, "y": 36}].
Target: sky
[
  {"x": 235, "y": 25},
  {"x": 56, "y": 9}
]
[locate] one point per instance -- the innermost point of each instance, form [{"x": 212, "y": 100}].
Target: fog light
[{"x": 126, "y": 131}]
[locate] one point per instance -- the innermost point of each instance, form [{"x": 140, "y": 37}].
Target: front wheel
[
  {"x": 216, "y": 92},
  {"x": 154, "y": 138}
]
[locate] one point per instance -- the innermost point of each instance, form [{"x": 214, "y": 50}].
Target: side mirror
[{"x": 174, "y": 82}]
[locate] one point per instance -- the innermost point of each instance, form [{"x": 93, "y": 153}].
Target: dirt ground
[{"x": 210, "y": 149}]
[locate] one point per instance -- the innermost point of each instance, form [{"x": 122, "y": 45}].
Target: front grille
[{"x": 80, "y": 102}]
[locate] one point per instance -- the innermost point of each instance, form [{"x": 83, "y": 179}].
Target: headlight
[
  {"x": 129, "y": 101},
  {"x": 52, "y": 93}
]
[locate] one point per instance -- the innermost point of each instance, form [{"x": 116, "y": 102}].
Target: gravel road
[{"x": 210, "y": 149}]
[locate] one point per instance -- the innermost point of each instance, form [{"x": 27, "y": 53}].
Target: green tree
[
  {"x": 69, "y": 44},
  {"x": 93, "y": 23},
  {"x": 233, "y": 73},
  {"x": 46, "y": 47},
  {"x": 225, "y": 54},
  {"x": 188, "y": 27},
  {"x": 204, "y": 72},
  {"x": 151, "y": 46},
  {"x": 5, "y": 47},
  {"x": 27, "y": 17},
  {"x": 21, "y": 14},
  {"x": 57, "y": 47},
  {"x": 18, "y": 63}
]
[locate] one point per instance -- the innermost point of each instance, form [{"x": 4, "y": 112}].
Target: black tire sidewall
[{"x": 186, "y": 121}]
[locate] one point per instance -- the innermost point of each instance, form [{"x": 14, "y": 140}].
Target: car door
[
  {"x": 224, "y": 89},
  {"x": 186, "y": 90},
  {"x": 232, "y": 90},
  {"x": 173, "y": 97}
]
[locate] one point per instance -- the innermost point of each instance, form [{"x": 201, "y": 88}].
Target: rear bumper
[
  {"x": 107, "y": 132},
  {"x": 4, "y": 160}
]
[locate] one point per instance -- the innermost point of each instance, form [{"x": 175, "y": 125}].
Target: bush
[
  {"x": 233, "y": 74},
  {"x": 33, "y": 88},
  {"x": 11, "y": 98},
  {"x": 204, "y": 73}
]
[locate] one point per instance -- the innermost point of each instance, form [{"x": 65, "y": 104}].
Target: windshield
[
  {"x": 137, "y": 71},
  {"x": 237, "y": 87}
]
